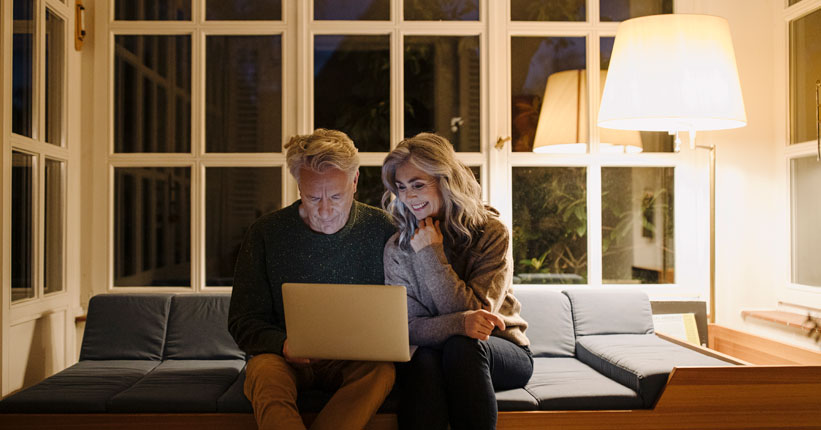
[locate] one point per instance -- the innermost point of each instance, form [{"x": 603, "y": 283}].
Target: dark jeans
[{"x": 456, "y": 384}]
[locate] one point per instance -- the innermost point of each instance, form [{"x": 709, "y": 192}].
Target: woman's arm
[{"x": 486, "y": 284}]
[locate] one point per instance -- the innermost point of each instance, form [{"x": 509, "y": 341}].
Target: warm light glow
[
  {"x": 562, "y": 127},
  {"x": 673, "y": 73}
]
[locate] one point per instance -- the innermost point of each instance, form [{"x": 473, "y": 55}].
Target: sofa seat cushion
[
  {"x": 125, "y": 327},
  {"x": 179, "y": 386},
  {"x": 234, "y": 400},
  {"x": 198, "y": 328},
  {"x": 84, "y": 387},
  {"x": 518, "y": 399},
  {"x": 568, "y": 384},
  {"x": 640, "y": 362},
  {"x": 549, "y": 321}
]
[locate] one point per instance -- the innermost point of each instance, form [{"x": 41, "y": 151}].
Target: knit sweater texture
[
  {"x": 444, "y": 284},
  {"x": 280, "y": 247}
]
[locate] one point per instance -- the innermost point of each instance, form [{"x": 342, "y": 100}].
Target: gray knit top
[{"x": 443, "y": 285}]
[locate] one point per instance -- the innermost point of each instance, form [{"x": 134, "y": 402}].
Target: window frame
[
  {"x": 788, "y": 292},
  {"x": 495, "y": 30}
]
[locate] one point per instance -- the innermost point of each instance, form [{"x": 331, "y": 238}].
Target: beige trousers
[{"x": 271, "y": 384}]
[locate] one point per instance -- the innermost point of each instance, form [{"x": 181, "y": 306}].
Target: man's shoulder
[{"x": 374, "y": 216}]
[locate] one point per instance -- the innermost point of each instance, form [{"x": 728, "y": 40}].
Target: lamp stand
[{"x": 712, "y": 149}]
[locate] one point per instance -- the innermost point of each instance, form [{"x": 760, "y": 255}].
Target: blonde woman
[{"x": 451, "y": 252}]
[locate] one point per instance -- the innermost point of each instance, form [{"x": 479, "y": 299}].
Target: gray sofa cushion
[
  {"x": 234, "y": 400},
  {"x": 610, "y": 311},
  {"x": 640, "y": 362},
  {"x": 125, "y": 327},
  {"x": 516, "y": 400},
  {"x": 179, "y": 386},
  {"x": 198, "y": 328},
  {"x": 549, "y": 321},
  {"x": 561, "y": 383},
  {"x": 84, "y": 387}
]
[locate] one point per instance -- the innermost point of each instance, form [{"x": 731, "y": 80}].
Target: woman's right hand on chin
[
  {"x": 427, "y": 233},
  {"x": 479, "y": 324}
]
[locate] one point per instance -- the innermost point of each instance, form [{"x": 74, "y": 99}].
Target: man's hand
[
  {"x": 286, "y": 353},
  {"x": 427, "y": 233},
  {"x": 479, "y": 324}
]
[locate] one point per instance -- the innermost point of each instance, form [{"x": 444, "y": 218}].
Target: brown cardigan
[{"x": 442, "y": 285}]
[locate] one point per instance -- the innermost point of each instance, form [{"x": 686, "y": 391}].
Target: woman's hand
[
  {"x": 427, "y": 233},
  {"x": 479, "y": 324}
]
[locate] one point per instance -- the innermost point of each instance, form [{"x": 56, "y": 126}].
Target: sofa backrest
[
  {"x": 549, "y": 321},
  {"x": 198, "y": 328},
  {"x": 125, "y": 327},
  {"x": 610, "y": 311}
]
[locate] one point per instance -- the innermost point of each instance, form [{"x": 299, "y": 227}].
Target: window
[
  {"x": 38, "y": 151},
  {"x": 201, "y": 108},
  {"x": 803, "y": 167},
  {"x": 198, "y": 125}
]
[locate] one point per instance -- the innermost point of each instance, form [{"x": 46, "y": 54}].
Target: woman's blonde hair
[
  {"x": 320, "y": 150},
  {"x": 463, "y": 215}
]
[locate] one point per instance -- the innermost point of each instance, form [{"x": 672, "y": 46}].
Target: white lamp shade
[
  {"x": 671, "y": 73},
  {"x": 562, "y": 126}
]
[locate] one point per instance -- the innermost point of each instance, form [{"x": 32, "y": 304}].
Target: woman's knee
[{"x": 460, "y": 351}]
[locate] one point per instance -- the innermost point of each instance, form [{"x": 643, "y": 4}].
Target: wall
[{"x": 751, "y": 244}]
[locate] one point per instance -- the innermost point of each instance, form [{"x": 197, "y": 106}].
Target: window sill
[{"x": 789, "y": 319}]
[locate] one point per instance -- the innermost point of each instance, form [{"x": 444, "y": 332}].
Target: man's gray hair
[{"x": 321, "y": 150}]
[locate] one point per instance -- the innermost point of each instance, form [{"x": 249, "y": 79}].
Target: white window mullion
[
  {"x": 594, "y": 224},
  {"x": 498, "y": 177}
]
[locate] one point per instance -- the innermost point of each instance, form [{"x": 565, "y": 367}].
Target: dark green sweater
[{"x": 280, "y": 247}]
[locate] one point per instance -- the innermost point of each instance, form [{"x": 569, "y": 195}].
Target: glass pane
[
  {"x": 243, "y": 94},
  {"x": 549, "y": 91},
  {"x": 620, "y": 10},
  {"x": 637, "y": 225},
  {"x": 53, "y": 260},
  {"x": 22, "y": 229},
  {"x": 541, "y": 10},
  {"x": 152, "y": 10},
  {"x": 806, "y": 229},
  {"x": 805, "y": 71},
  {"x": 22, "y": 79},
  {"x": 371, "y": 10},
  {"x": 369, "y": 189},
  {"x": 237, "y": 10},
  {"x": 234, "y": 198},
  {"x": 152, "y": 94},
  {"x": 152, "y": 226},
  {"x": 55, "y": 45},
  {"x": 627, "y": 141},
  {"x": 550, "y": 225},
  {"x": 477, "y": 173},
  {"x": 441, "y": 10},
  {"x": 352, "y": 88},
  {"x": 442, "y": 88}
]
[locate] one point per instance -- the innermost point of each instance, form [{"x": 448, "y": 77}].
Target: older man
[{"x": 325, "y": 237}]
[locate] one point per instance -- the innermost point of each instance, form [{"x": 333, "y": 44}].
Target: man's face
[{"x": 327, "y": 198}]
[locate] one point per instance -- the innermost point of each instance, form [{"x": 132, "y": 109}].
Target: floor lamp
[{"x": 675, "y": 73}]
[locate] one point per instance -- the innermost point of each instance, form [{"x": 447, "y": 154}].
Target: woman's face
[{"x": 418, "y": 191}]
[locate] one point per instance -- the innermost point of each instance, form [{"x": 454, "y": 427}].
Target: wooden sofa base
[
  {"x": 740, "y": 397},
  {"x": 575, "y": 420}
]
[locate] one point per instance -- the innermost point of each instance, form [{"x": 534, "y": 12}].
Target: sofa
[{"x": 167, "y": 360}]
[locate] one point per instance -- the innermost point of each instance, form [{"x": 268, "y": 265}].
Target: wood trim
[
  {"x": 789, "y": 319},
  {"x": 700, "y": 349},
  {"x": 758, "y": 350}
]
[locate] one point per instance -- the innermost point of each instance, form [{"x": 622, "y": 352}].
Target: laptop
[{"x": 346, "y": 321}]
